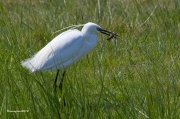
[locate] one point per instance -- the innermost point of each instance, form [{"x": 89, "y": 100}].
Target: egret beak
[{"x": 110, "y": 34}]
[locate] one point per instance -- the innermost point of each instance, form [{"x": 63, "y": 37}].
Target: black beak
[{"x": 110, "y": 34}]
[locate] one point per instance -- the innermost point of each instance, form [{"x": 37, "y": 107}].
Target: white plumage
[{"x": 64, "y": 50}]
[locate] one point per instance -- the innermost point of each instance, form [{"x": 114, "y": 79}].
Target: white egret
[{"x": 66, "y": 49}]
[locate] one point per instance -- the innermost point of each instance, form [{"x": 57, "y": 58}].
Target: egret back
[{"x": 54, "y": 55}]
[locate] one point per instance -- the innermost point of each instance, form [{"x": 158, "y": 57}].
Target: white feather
[{"x": 63, "y": 50}]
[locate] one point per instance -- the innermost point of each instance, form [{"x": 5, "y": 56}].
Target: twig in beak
[{"x": 110, "y": 37}]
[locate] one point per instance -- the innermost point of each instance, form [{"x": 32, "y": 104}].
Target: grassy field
[{"x": 134, "y": 77}]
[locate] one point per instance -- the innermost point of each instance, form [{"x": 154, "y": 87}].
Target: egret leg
[
  {"x": 60, "y": 86},
  {"x": 56, "y": 79},
  {"x": 61, "y": 82}
]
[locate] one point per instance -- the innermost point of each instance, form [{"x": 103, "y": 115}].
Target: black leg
[
  {"x": 60, "y": 86},
  {"x": 61, "y": 82},
  {"x": 56, "y": 79}
]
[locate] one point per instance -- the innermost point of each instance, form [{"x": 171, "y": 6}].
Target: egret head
[{"x": 90, "y": 28}]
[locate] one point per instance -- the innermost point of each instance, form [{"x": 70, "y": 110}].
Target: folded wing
[{"x": 60, "y": 53}]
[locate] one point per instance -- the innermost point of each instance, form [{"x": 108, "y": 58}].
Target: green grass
[{"x": 136, "y": 76}]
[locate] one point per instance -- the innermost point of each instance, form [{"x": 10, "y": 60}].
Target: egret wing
[{"x": 61, "y": 49}]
